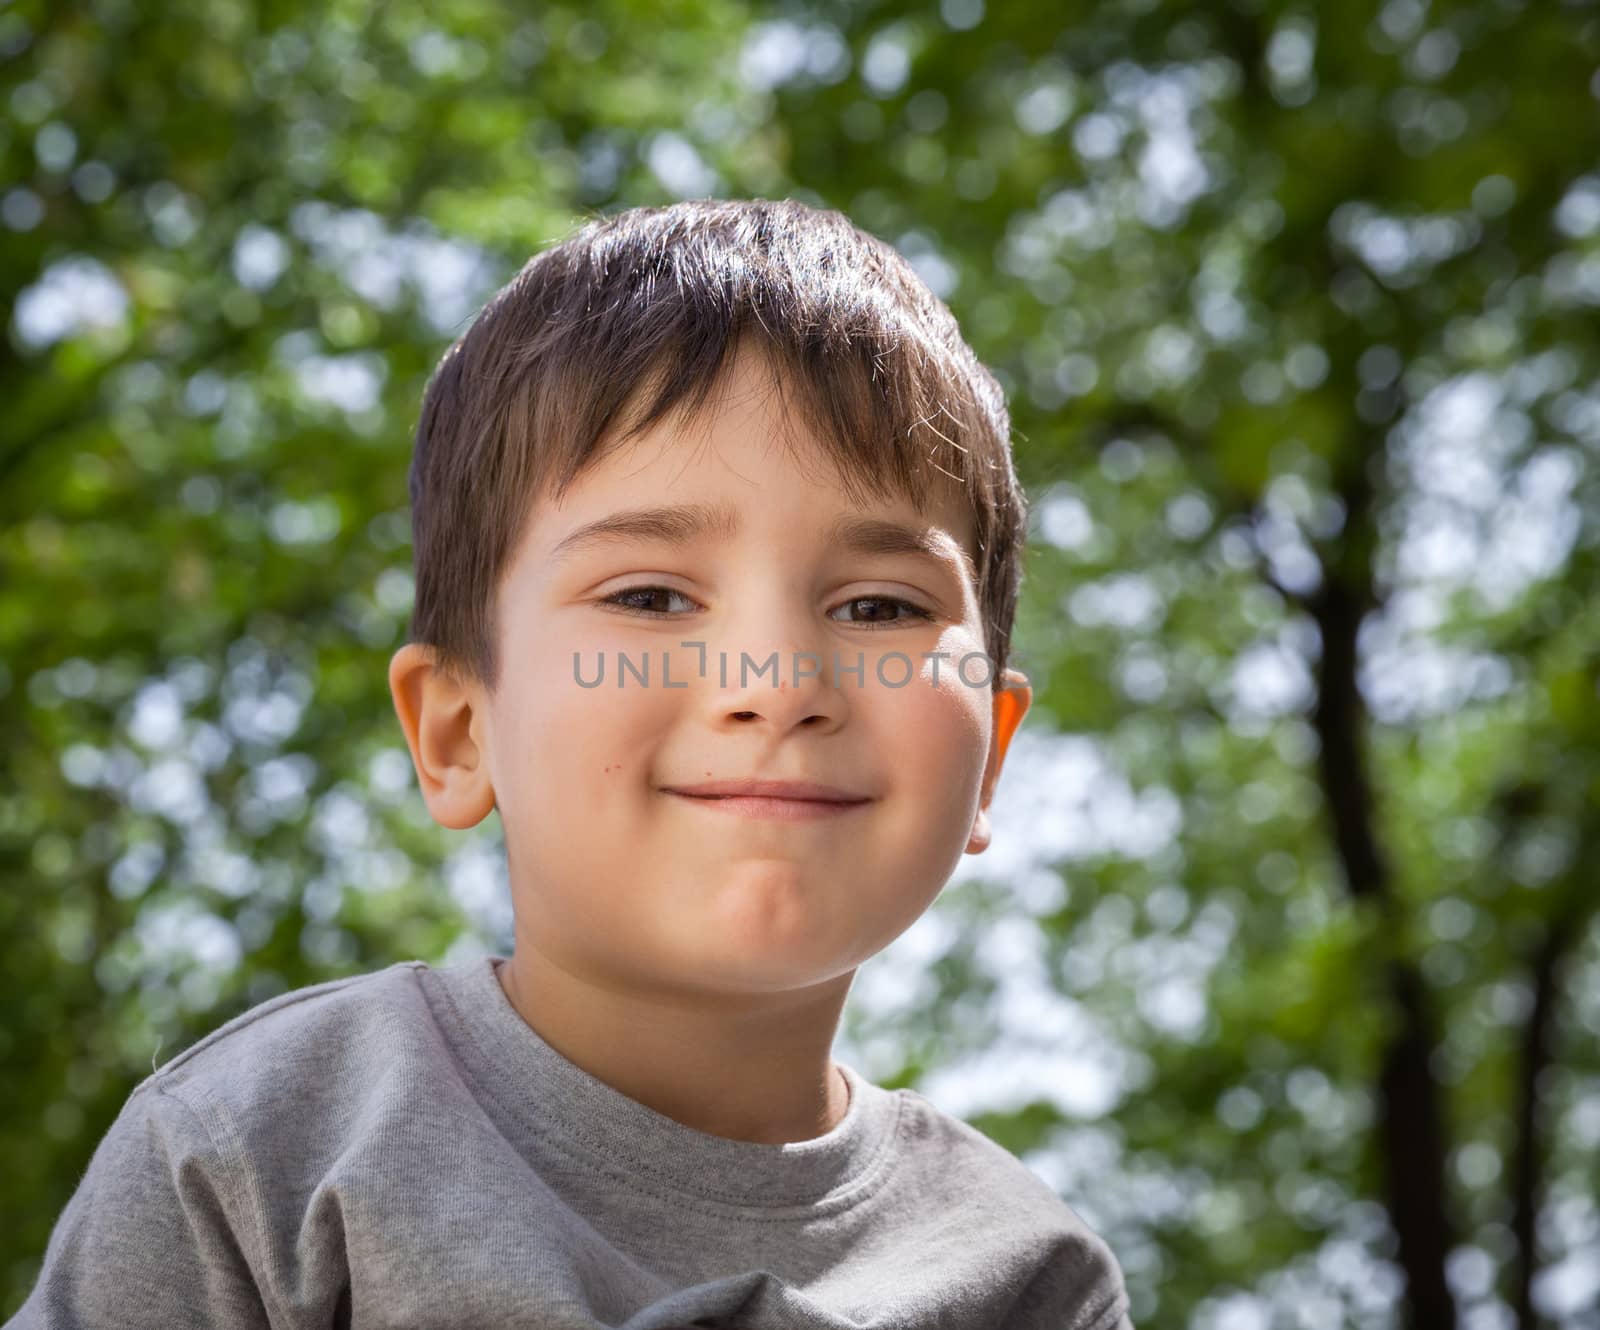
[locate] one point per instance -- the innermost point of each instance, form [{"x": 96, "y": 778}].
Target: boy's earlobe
[
  {"x": 437, "y": 717},
  {"x": 1011, "y": 703}
]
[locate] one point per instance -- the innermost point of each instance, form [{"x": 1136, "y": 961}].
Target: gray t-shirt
[{"x": 402, "y": 1149}]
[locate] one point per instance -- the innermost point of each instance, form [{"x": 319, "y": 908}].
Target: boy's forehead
[
  {"x": 900, "y": 530},
  {"x": 616, "y": 495}
]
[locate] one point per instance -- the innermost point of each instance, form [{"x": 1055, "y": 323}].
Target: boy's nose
[{"x": 798, "y": 691}]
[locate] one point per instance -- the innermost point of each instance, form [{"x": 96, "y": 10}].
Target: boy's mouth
[{"x": 784, "y": 799}]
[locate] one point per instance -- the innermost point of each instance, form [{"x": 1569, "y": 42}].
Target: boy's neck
[{"x": 764, "y": 1076}]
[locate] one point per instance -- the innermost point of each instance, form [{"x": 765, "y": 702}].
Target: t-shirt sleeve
[{"x": 151, "y": 1235}]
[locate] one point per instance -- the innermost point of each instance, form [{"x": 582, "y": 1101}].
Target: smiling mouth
[{"x": 769, "y": 806}]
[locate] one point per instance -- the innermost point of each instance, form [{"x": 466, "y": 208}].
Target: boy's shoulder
[
  {"x": 956, "y": 1169},
  {"x": 324, "y": 1029},
  {"x": 964, "y": 1157}
]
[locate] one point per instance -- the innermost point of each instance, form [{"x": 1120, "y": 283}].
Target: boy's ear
[
  {"x": 1011, "y": 703},
  {"x": 444, "y": 724}
]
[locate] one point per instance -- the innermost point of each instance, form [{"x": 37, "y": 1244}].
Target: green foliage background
[{"x": 1296, "y": 306}]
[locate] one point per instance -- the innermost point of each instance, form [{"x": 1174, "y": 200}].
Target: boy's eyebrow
[
  {"x": 673, "y": 524},
  {"x": 876, "y": 535},
  {"x": 680, "y": 524}
]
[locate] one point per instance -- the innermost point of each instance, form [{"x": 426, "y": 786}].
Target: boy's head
[{"x": 830, "y": 482}]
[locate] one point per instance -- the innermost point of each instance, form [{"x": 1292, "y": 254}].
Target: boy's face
[{"x": 621, "y": 880}]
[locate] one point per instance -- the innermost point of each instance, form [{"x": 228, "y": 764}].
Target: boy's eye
[
  {"x": 647, "y": 600},
  {"x": 630, "y": 597},
  {"x": 881, "y": 605}
]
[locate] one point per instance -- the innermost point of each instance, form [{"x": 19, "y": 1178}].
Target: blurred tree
[{"x": 1296, "y": 310}]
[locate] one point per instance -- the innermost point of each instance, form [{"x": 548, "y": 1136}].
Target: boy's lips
[
  {"x": 770, "y": 790},
  {"x": 783, "y": 800}
]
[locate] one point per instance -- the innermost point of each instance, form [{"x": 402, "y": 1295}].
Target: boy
[{"x": 717, "y": 540}]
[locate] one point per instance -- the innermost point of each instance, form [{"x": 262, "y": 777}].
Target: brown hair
[{"x": 636, "y": 315}]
